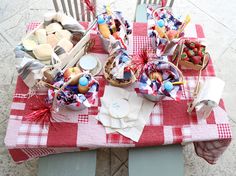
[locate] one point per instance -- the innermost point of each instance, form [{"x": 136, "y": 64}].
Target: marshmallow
[
  {"x": 53, "y": 27},
  {"x": 41, "y": 36},
  {"x": 63, "y": 34},
  {"x": 43, "y": 52}
]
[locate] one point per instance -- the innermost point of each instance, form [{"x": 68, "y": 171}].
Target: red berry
[
  {"x": 186, "y": 49},
  {"x": 190, "y": 53},
  {"x": 196, "y": 59},
  {"x": 186, "y": 59},
  {"x": 192, "y": 45},
  {"x": 187, "y": 42},
  {"x": 200, "y": 53},
  {"x": 198, "y": 45},
  {"x": 195, "y": 50}
]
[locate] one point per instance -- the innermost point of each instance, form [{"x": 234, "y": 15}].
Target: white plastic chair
[{"x": 75, "y": 8}]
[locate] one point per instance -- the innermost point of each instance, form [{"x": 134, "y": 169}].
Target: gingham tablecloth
[{"x": 169, "y": 122}]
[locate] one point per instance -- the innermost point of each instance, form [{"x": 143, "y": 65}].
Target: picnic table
[{"x": 169, "y": 122}]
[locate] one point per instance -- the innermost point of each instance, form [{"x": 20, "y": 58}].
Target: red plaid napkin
[{"x": 169, "y": 123}]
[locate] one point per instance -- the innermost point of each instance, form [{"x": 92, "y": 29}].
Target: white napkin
[
  {"x": 133, "y": 123},
  {"x": 208, "y": 96}
]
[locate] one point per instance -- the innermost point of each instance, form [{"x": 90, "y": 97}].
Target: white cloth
[
  {"x": 133, "y": 123},
  {"x": 208, "y": 96}
]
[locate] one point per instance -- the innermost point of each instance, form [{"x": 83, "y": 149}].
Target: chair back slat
[
  {"x": 155, "y": 1},
  {"x": 55, "y": 5},
  {"x": 64, "y": 6},
  {"x": 169, "y": 2},
  {"x": 77, "y": 10},
  {"x": 82, "y": 10},
  {"x": 70, "y": 8},
  {"x": 88, "y": 15}
]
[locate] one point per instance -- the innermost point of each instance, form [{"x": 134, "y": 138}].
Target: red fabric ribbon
[
  {"x": 163, "y": 3},
  {"x": 41, "y": 111},
  {"x": 90, "y": 6},
  {"x": 139, "y": 61}
]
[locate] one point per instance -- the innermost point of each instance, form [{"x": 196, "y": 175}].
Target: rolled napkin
[
  {"x": 63, "y": 34},
  {"x": 43, "y": 52},
  {"x": 41, "y": 36},
  {"x": 208, "y": 97},
  {"x": 53, "y": 27}
]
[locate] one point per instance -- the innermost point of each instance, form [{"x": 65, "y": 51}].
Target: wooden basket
[
  {"x": 118, "y": 83},
  {"x": 70, "y": 58},
  {"x": 187, "y": 64}
]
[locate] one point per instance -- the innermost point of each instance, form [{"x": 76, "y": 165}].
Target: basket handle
[{"x": 191, "y": 106}]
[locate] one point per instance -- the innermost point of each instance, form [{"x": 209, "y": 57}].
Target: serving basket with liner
[
  {"x": 145, "y": 84},
  {"x": 81, "y": 101},
  {"x": 32, "y": 70},
  {"x": 162, "y": 40}
]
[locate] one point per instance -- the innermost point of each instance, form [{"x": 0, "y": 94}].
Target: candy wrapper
[
  {"x": 159, "y": 79},
  {"x": 113, "y": 30},
  {"x": 117, "y": 69},
  {"x": 164, "y": 29},
  {"x": 70, "y": 95}
]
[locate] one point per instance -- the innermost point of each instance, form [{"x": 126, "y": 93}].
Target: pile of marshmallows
[{"x": 43, "y": 41}]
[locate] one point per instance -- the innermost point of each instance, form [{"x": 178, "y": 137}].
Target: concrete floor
[{"x": 219, "y": 21}]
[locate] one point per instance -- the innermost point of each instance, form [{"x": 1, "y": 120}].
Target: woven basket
[
  {"x": 188, "y": 64},
  {"x": 109, "y": 77}
]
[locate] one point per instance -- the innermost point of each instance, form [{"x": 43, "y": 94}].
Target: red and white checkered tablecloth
[{"x": 169, "y": 122}]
